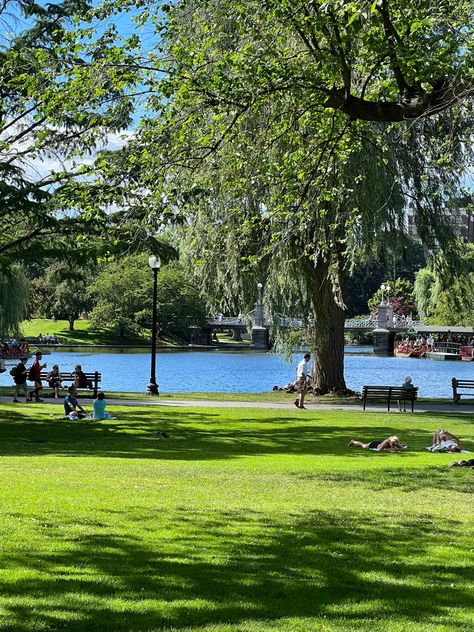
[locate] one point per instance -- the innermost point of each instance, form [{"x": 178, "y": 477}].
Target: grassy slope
[
  {"x": 241, "y": 520},
  {"x": 82, "y": 333}
]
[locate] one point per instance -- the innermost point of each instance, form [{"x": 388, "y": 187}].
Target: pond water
[{"x": 241, "y": 372}]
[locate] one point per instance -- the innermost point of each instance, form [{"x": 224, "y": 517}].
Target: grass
[
  {"x": 241, "y": 520},
  {"x": 83, "y": 334}
]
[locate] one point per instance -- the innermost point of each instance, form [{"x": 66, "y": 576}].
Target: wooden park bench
[
  {"x": 390, "y": 394},
  {"x": 92, "y": 377},
  {"x": 461, "y": 384}
]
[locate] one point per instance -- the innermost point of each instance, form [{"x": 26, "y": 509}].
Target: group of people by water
[
  {"x": 430, "y": 343},
  {"x": 72, "y": 409},
  {"x": 22, "y": 374},
  {"x": 48, "y": 339},
  {"x": 13, "y": 347}
]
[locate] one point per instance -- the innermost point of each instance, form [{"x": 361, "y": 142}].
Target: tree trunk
[
  {"x": 328, "y": 333},
  {"x": 71, "y": 321}
]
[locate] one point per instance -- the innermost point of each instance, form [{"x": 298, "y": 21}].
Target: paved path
[{"x": 420, "y": 407}]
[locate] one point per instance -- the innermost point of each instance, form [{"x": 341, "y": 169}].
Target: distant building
[{"x": 462, "y": 218}]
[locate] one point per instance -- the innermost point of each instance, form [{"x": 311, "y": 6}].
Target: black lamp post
[
  {"x": 154, "y": 262},
  {"x": 260, "y": 305}
]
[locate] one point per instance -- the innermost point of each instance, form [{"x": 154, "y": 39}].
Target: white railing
[
  {"x": 228, "y": 320},
  {"x": 369, "y": 323},
  {"x": 361, "y": 323},
  {"x": 447, "y": 347}
]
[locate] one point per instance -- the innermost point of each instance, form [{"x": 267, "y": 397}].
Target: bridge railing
[
  {"x": 360, "y": 323},
  {"x": 227, "y": 320},
  {"x": 447, "y": 347},
  {"x": 370, "y": 323}
]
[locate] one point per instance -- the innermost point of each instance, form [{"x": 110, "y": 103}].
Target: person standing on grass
[
  {"x": 302, "y": 375},
  {"x": 19, "y": 377},
  {"x": 35, "y": 373}
]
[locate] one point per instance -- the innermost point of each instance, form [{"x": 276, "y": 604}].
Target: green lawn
[
  {"x": 82, "y": 334},
  {"x": 240, "y": 520}
]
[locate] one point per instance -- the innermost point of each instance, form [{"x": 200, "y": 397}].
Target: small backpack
[
  {"x": 31, "y": 374},
  {"x": 13, "y": 371}
]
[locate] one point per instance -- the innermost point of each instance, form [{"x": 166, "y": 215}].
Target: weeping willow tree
[
  {"x": 447, "y": 300},
  {"x": 239, "y": 236},
  {"x": 293, "y": 134},
  {"x": 13, "y": 299}
]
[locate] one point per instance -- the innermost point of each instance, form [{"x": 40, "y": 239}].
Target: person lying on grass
[
  {"x": 72, "y": 408},
  {"x": 392, "y": 444},
  {"x": 444, "y": 441}
]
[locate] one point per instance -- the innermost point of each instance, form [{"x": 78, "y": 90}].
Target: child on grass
[{"x": 99, "y": 408}]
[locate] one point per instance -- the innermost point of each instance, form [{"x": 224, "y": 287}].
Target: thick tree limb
[{"x": 425, "y": 104}]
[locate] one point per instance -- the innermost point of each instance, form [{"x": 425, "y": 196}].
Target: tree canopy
[
  {"x": 445, "y": 300},
  {"x": 122, "y": 295},
  {"x": 296, "y": 134},
  {"x": 59, "y": 102}
]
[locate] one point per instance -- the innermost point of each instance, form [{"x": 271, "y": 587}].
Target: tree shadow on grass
[
  {"x": 211, "y": 568},
  {"x": 196, "y": 435},
  {"x": 403, "y": 479}
]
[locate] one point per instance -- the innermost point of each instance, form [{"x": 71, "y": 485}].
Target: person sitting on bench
[
  {"x": 392, "y": 444},
  {"x": 407, "y": 385},
  {"x": 80, "y": 378}
]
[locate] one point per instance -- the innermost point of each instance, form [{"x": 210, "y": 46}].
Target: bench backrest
[
  {"x": 462, "y": 383},
  {"x": 390, "y": 391},
  {"x": 68, "y": 375}
]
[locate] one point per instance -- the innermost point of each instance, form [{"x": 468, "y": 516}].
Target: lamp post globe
[
  {"x": 382, "y": 287},
  {"x": 155, "y": 263}
]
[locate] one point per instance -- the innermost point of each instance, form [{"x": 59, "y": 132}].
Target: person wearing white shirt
[{"x": 302, "y": 375}]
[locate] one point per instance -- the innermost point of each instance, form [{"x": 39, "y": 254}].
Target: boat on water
[
  {"x": 408, "y": 350},
  {"x": 13, "y": 357},
  {"x": 466, "y": 353},
  {"x": 418, "y": 352},
  {"x": 402, "y": 350}
]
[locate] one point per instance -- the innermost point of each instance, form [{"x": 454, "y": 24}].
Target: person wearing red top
[{"x": 36, "y": 371}]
